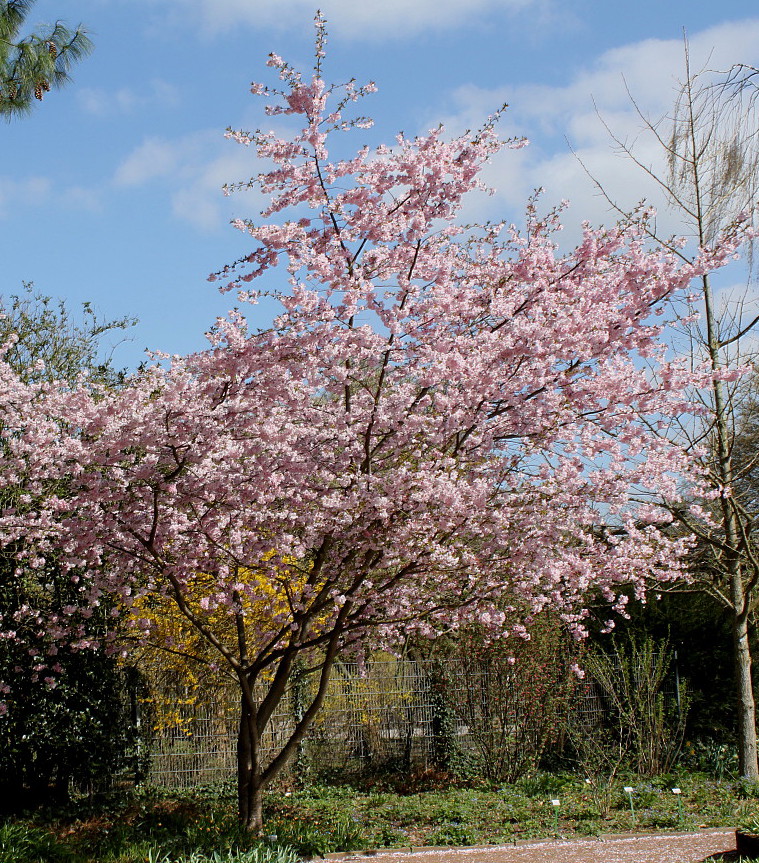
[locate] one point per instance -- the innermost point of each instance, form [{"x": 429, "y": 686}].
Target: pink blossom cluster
[{"x": 444, "y": 424}]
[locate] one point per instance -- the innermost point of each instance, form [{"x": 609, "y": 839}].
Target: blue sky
[{"x": 111, "y": 191}]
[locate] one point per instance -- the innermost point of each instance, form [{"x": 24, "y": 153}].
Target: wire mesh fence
[
  {"x": 391, "y": 713},
  {"x": 379, "y": 714}
]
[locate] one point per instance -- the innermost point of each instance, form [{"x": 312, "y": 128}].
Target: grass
[{"x": 200, "y": 827}]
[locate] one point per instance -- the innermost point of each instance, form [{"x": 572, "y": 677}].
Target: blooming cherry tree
[{"x": 444, "y": 424}]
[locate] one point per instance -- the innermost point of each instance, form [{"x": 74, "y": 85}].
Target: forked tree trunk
[{"x": 252, "y": 775}]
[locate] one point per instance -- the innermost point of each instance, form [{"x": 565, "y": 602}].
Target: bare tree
[{"x": 708, "y": 176}]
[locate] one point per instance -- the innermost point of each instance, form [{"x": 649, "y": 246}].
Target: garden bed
[{"x": 168, "y": 827}]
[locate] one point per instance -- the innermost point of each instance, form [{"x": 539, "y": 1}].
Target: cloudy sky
[{"x": 111, "y": 191}]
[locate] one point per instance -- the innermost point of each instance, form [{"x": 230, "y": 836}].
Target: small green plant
[
  {"x": 25, "y": 843},
  {"x": 454, "y": 834},
  {"x": 749, "y": 824},
  {"x": 261, "y": 854},
  {"x": 746, "y": 789},
  {"x": 389, "y": 836},
  {"x": 543, "y": 784},
  {"x": 713, "y": 757},
  {"x": 319, "y": 834},
  {"x": 728, "y": 858}
]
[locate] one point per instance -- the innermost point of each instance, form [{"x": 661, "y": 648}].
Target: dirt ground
[{"x": 659, "y": 848}]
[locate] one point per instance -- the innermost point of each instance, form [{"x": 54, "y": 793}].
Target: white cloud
[
  {"x": 363, "y": 18},
  {"x": 84, "y": 198},
  {"x": 196, "y": 166},
  {"x": 193, "y": 169},
  {"x": 155, "y": 157},
  {"x": 567, "y": 117},
  {"x": 200, "y": 200},
  {"x": 103, "y": 102},
  {"x": 15, "y": 193},
  {"x": 18, "y": 193}
]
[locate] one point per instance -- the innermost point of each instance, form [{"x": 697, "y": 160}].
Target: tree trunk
[
  {"x": 740, "y": 590},
  {"x": 249, "y": 784},
  {"x": 252, "y": 778},
  {"x": 747, "y": 745}
]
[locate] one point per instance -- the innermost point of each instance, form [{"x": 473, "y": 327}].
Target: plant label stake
[
  {"x": 677, "y": 793},
  {"x": 555, "y": 804},
  {"x": 629, "y": 792}
]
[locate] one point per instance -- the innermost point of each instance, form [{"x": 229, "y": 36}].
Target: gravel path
[{"x": 659, "y": 848}]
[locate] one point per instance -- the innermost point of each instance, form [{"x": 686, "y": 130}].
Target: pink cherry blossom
[{"x": 444, "y": 424}]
